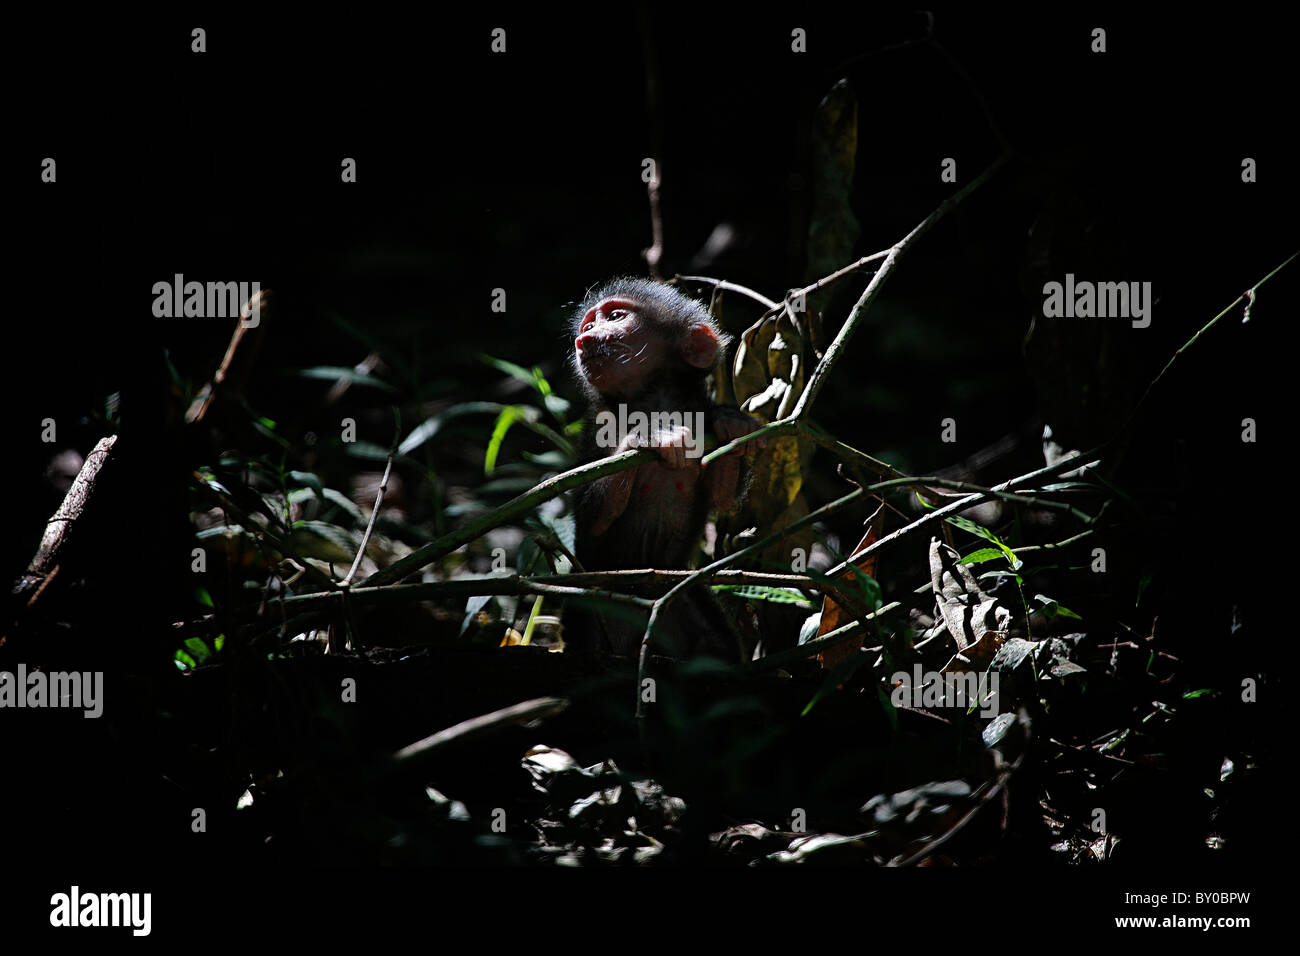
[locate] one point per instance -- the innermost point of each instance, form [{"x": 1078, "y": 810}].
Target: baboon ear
[{"x": 700, "y": 346}]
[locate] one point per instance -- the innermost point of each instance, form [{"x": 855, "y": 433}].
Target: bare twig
[
  {"x": 726, "y": 286},
  {"x": 1248, "y": 296},
  {"x": 596, "y": 584},
  {"x": 374, "y": 513},
  {"x": 1004, "y": 774},
  {"x": 644, "y": 657},
  {"x": 241, "y": 354},
  {"x": 523, "y": 713},
  {"x": 836, "y": 276},
  {"x": 992, "y": 492},
  {"x": 836, "y": 349},
  {"x": 61, "y": 526},
  {"x": 929, "y": 518}
]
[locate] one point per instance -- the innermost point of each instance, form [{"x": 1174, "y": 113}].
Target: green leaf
[
  {"x": 266, "y": 428},
  {"x": 219, "y": 531},
  {"x": 333, "y": 499},
  {"x": 980, "y": 531},
  {"x": 839, "y": 674},
  {"x": 887, "y": 705},
  {"x": 469, "y": 408},
  {"x": 528, "y": 555},
  {"x": 210, "y": 481},
  {"x": 335, "y": 373},
  {"x": 563, "y": 526},
  {"x": 472, "y": 606},
  {"x": 420, "y": 434},
  {"x": 371, "y": 342},
  {"x": 324, "y": 541},
  {"x": 1052, "y": 608},
  {"x": 307, "y": 479},
  {"x": 1119, "y": 492},
  {"x": 347, "y": 504},
  {"x": 506, "y": 486},
  {"x": 765, "y": 593},
  {"x": 554, "y": 460},
  {"x": 1143, "y": 583},
  {"x": 1001, "y": 575},
  {"x": 556, "y": 405},
  {"x": 811, "y": 625},
  {"x": 365, "y": 450},
  {"x": 508, "y": 416},
  {"x": 510, "y": 368},
  {"x": 434, "y": 423},
  {"x": 174, "y": 375},
  {"x": 868, "y": 587}
]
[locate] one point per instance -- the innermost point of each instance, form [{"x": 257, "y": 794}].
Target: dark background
[{"x": 522, "y": 172}]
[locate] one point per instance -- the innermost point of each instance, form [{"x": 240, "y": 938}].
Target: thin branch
[
  {"x": 925, "y": 486},
  {"x": 974, "y": 90},
  {"x": 520, "y": 504},
  {"x": 524, "y": 713},
  {"x": 1004, "y": 774},
  {"x": 561, "y": 585},
  {"x": 939, "y": 514},
  {"x": 961, "y": 504},
  {"x": 60, "y": 528},
  {"x": 994, "y": 492},
  {"x": 837, "y": 348},
  {"x": 1057, "y": 545},
  {"x": 784, "y": 426},
  {"x": 370, "y": 525},
  {"x": 659, "y": 605},
  {"x": 837, "y": 275},
  {"x": 727, "y": 286},
  {"x": 936, "y": 515},
  {"x": 1248, "y": 296}
]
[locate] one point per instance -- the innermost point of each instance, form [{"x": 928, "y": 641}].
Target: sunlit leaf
[
  {"x": 337, "y": 373},
  {"x": 765, "y": 593}
]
